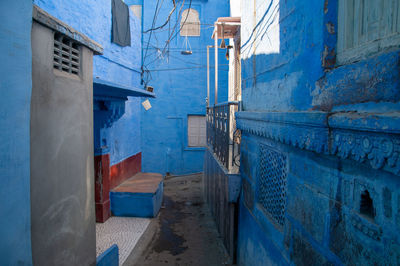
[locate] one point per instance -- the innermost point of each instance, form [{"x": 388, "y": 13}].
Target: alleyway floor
[{"x": 184, "y": 231}]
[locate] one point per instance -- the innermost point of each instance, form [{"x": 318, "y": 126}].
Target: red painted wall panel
[{"x": 108, "y": 177}]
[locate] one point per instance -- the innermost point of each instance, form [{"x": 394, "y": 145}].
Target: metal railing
[{"x": 222, "y": 135}]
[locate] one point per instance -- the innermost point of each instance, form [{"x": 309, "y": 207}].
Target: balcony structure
[{"x": 222, "y": 157}]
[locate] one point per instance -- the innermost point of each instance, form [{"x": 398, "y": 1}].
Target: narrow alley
[
  {"x": 185, "y": 232},
  {"x": 199, "y": 132}
]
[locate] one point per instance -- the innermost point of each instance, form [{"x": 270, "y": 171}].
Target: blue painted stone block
[
  {"x": 139, "y": 196},
  {"x": 108, "y": 257}
]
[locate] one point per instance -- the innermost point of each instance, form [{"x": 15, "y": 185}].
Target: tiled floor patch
[{"x": 123, "y": 231}]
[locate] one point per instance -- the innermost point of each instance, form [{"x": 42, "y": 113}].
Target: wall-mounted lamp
[{"x": 227, "y": 51}]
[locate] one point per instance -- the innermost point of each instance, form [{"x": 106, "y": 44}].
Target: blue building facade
[
  {"x": 116, "y": 114},
  {"x": 16, "y": 86},
  {"x": 116, "y": 88},
  {"x": 320, "y": 133},
  {"x": 179, "y": 81}
]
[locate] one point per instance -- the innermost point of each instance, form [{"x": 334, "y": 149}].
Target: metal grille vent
[
  {"x": 66, "y": 54},
  {"x": 271, "y": 189}
]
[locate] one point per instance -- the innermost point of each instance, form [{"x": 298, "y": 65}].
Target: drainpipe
[
  {"x": 142, "y": 22},
  {"x": 216, "y": 65},
  {"x": 208, "y": 74}
]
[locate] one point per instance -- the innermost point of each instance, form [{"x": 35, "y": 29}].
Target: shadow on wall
[{"x": 280, "y": 76}]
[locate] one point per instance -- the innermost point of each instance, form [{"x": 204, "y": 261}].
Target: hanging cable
[{"x": 165, "y": 23}]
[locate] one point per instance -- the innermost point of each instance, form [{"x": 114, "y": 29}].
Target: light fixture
[{"x": 227, "y": 51}]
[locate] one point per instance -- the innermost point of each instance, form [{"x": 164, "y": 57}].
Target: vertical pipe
[
  {"x": 141, "y": 43},
  {"x": 216, "y": 65},
  {"x": 208, "y": 75}
]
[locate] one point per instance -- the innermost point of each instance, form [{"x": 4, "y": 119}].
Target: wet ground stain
[
  {"x": 186, "y": 233},
  {"x": 168, "y": 240}
]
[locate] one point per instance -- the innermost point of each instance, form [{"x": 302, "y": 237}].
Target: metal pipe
[
  {"x": 216, "y": 66},
  {"x": 208, "y": 75}
]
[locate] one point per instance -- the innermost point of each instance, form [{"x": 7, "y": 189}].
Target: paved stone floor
[
  {"x": 185, "y": 232},
  {"x": 123, "y": 231}
]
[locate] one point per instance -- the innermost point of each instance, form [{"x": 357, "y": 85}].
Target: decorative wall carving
[
  {"x": 380, "y": 149},
  {"x": 303, "y": 136}
]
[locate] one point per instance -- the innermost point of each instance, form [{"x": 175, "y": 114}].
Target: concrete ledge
[
  {"x": 108, "y": 257},
  {"x": 51, "y": 22},
  {"x": 139, "y": 196}
]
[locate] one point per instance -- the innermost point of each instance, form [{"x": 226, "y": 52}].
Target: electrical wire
[
  {"x": 185, "y": 68},
  {"x": 144, "y": 67},
  {"x": 153, "y": 23},
  {"x": 182, "y": 24},
  {"x": 258, "y": 24},
  {"x": 165, "y": 23}
]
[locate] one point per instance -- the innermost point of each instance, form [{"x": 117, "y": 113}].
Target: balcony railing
[{"x": 222, "y": 136}]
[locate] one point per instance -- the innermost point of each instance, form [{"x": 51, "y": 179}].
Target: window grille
[
  {"x": 66, "y": 54},
  {"x": 271, "y": 187},
  {"x": 367, "y": 26},
  {"x": 190, "y": 23}
]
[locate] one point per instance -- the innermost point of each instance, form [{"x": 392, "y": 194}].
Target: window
[
  {"x": 190, "y": 23},
  {"x": 66, "y": 55},
  {"x": 366, "y": 27},
  {"x": 196, "y": 131}
]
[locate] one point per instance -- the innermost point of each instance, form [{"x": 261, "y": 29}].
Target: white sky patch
[{"x": 260, "y": 27}]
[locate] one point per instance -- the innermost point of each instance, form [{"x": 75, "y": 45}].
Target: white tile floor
[{"x": 123, "y": 231}]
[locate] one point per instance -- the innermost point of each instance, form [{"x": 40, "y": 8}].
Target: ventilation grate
[
  {"x": 66, "y": 54},
  {"x": 271, "y": 189}
]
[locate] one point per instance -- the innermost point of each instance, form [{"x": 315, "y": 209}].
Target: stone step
[{"x": 139, "y": 196}]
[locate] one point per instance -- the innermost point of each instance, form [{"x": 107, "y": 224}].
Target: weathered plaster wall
[
  {"x": 323, "y": 223},
  {"x": 305, "y": 76},
  {"x": 181, "y": 87},
  {"x": 120, "y": 65},
  {"x": 325, "y": 133},
  {"x": 285, "y": 62},
  {"x": 62, "y": 177},
  {"x": 15, "y": 87}
]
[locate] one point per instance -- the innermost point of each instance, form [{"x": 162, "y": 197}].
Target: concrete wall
[
  {"x": 116, "y": 117},
  {"x": 120, "y": 65},
  {"x": 15, "y": 87},
  {"x": 325, "y": 133},
  {"x": 180, "y": 84},
  {"x": 62, "y": 183}
]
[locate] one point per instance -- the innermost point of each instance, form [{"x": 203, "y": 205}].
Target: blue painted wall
[
  {"x": 16, "y": 88},
  {"x": 119, "y": 65},
  {"x": 180, "y": 84},
  {"x": 334, "y": 131}
]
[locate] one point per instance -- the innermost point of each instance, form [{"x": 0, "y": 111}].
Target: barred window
[
  {"x": 190, "y": 23},
  {"x": 366, "y": 27},
  {"x": 66, "y": 55}
]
